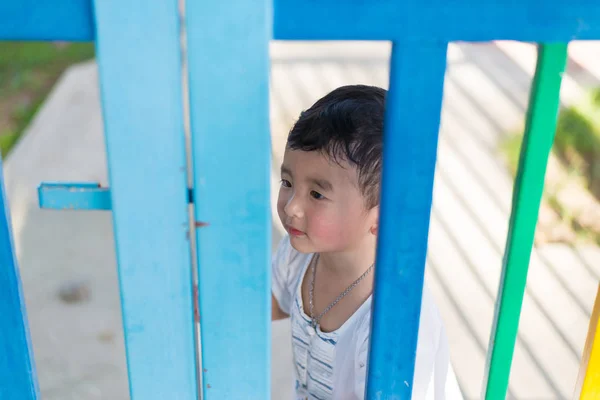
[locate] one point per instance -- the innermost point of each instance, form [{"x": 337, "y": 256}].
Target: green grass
[
  {"x": 510, "y": 148},
  {"x": 7, "y": 140},
  {"x": 28, "y": 71},
  {"x": 577, "y": 140},
  {"x": 577, "y": 145},
  {"x": 596, "y": 96}
]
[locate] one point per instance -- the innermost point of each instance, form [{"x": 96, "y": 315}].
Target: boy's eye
[
  {"x": 317, "y": 195},
  {"x": 286, "y": 183}
]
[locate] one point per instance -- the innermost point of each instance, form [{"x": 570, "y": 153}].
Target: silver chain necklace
[{"x": 315, "y": 321}]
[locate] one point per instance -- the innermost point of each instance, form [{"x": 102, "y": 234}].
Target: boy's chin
[{"x": 301, "y": 244}]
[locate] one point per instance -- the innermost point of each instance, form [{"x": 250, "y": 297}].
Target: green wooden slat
[{"x": 537, "y": 142}]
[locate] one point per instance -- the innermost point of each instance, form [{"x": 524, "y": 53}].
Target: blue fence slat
[
  {"x": 229, "y": 91},
  {"x": 410, "y": 147},
  {"x": 78, "y": 196},
  {"x": 70, "y": 20},
  {"x": 17, "y": 370},
  {"x": 527, "y": 20},
  {"x": 139, "y": 59},
  {"x": 467, "y": 20},
  {"x": 74, "y": 196}
]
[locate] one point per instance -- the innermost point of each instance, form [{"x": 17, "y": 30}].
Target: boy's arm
[{"x": 276, "y": 313}]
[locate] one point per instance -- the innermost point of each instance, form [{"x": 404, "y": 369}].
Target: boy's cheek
[
  {"x": 280, "y": 211},
  {"x": 281, "y": 202},
  {"x": 330, "y": 232}
]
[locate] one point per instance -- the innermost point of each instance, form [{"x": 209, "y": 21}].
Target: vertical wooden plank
[
  {"x": 588, "y": 380},
  {"x": 139, "y": 60},
  {"x": 17, "y": 369},
  {"x": 529, "y": 184},
  {"x": 229, "y": 101},
  {"x": 410, "y": 147}
]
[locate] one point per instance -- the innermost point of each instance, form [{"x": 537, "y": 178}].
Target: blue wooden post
[
  {"x": 410, "y": 146},
  {"x": 17, "y": 368},
  {"x": 229, "y": 92},
  {"x": 139, "y": 58},
  {"x": 437, "y": 20},
  {"x": 70, "y": 20}
]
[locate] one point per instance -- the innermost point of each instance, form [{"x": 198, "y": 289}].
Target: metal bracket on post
[{"x": 78, "y": 196}]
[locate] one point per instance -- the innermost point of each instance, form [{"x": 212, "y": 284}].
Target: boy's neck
[{"x": 352, "y": 262}]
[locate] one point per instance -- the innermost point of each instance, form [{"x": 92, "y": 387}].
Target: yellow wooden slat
[{"x": 588, "y": 381}]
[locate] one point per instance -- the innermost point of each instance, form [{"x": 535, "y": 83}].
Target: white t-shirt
[{"x": 333, "y": 365}]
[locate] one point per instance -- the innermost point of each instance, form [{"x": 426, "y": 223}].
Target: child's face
[{"x": 320, "y": 204}]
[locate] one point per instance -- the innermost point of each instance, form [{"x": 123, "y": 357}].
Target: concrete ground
[{"x": 68, "y": 264}]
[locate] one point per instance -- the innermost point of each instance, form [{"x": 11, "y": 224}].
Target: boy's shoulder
[
  {"x": 288, "y": 263},
  {"x": 288, "y": 258},
  {"x": 431, "y": 325}
]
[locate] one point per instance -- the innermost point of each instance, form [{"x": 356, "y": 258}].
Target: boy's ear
[
  {"x": 373, "y": 230},
  {"x": 375, "y": 225}
]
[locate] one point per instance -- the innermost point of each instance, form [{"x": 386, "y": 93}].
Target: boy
[{"x": 323, "y": 269}]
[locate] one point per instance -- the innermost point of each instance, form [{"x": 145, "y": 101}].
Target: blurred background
[{"x": 51, "y": 129}]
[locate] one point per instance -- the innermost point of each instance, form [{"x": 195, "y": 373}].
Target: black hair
[{"x": 347, "y": 125}]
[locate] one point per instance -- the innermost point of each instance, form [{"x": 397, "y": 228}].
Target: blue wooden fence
[
  {"x": 143, "y": 121},
  {"x": 17, "y": 368},
  {"x": 138, "y": 48},
  {"x": 231, "y": 151}
]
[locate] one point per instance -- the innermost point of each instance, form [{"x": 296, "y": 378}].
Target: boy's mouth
[{"x": 294, "y": 231}]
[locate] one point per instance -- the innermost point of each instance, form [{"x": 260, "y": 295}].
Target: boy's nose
[{"x": 293, "y": 208}]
